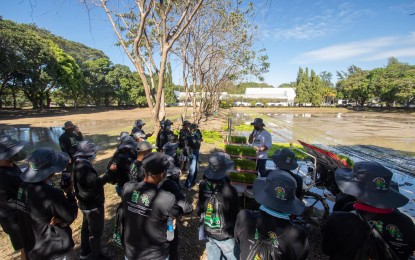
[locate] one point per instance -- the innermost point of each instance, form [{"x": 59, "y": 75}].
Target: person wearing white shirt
[{"x": 261, "y": 141}]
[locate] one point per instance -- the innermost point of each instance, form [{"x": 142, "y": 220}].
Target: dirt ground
[{"x": 189, "y": 246}]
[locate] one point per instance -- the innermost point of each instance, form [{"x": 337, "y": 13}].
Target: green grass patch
[{"x": 241, "y": 177}]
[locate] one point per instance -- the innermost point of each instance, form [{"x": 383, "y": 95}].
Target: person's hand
[
  {"x": 68, "y": 189},
  {"x": 55, "y": 221},
  {"x": 149, "y": 134},
  {"x": 76, "y": 130},
  {"x": 113, "y": 167},
  {"x": 256, "y": 148}
]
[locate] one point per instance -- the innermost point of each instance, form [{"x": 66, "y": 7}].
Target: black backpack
[
  {"x": 119, "y": 227},
  {"x": 264, "y": 248},
  {"x": 213, "y": 219},
  {"x": 374, "y": 247}
]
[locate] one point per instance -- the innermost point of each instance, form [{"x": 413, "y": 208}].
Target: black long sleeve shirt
[
  {"x": 230, "y": 206},
  {"x": 147, "y": 209},
  {"x": 174, "y": 188},
  {"x": 89, "y": 186},
  {"x": 37, "y": 204},
  {"x": 68, "y": 142},
  {"x": 9, "y": 184},
  {"x": 292, "y": 239}
]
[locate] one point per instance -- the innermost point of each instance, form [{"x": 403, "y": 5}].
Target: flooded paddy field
[{"x": 388, "y": 138}]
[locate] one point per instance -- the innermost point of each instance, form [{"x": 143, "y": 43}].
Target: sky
[{"x": 326, "y": 35}]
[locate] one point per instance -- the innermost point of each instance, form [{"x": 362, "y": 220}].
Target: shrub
[{"x": 238, "y": 139}]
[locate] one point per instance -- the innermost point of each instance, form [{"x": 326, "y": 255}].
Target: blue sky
[{"x": 326, "y": 35}]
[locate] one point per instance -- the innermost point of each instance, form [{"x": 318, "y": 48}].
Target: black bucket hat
[
  {"x": 86, "y": 148},
  {"x": 186, "y": 122},
  {"x": 156, "y": 163},
  {"x": 9, "y": 147},
  {"x": 145, "y": 146},
  {"x": 370, "y": 183},
  {"x": 127, "y": 142},
  {"x": 44, "y": 162},
  {"x": 258, "y": 121},
  {"x": 68, "y": 124},
  {"x": 167, "y": 123},
  {"x": 140, "y": 134},
  {"x": 285, "y": 159},
  {"x": 172, "y": 170},
  {"x": 220, "y": 164},
  {"x": 139, "y": 122},
  {"x": 277, "y": 192},
  {"x": 122, "y": 135}
]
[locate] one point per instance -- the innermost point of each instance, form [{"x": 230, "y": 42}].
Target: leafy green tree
[
  {"x": 169, "y": 97},
  {"x": 357, "y": 86},
  {"x": 121, "y": 79},
  {"x": 95, "y": 84}
]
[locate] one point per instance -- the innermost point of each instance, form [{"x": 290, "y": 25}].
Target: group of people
[{"x": 37, "y": 215}]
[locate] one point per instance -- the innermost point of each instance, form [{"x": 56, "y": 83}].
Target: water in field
[{"x": 388, "y": 138}]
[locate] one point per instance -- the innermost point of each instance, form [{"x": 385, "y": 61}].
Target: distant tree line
[
  {"x": 38, "y": 68},
  {"x": 392, "y": 85}
]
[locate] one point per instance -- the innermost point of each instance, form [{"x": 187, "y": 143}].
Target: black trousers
[
  {"x": 260, "y": 166},
  {"x": 174, "y": 245},
  {"x": 91, "y": 232}
]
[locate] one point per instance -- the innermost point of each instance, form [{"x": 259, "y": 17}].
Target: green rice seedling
[
  {"x": 238, "y": 139},
  {"x": 242, "y": 177},
  {"x": 277, "y": 146},
  {"x": 243, "y": 164},
  {"x": 346, "y": 159},
  {"x": 240, "y": 150}
]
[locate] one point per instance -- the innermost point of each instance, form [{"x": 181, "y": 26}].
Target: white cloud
[
  {"x": 406, "y": 8},
  {"x": 368, "y": 50},
  {"x": 317, "y": 26}
]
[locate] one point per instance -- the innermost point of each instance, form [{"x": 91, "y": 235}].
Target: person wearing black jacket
[
  {"x": 11, "y": 151},
  {"x": 218, "y": 226},
  {"x": 138, "y": 127},
  {"x": 121, "y": 161},
  {"x": 172, "y": 185},
  {"x": 89, "y": 190},
  {"x": 147, "y": 209},
  {"x": 136, "y": 168},
  {"x": 68, "y": 141},
  {"x": 346, "y": 233},
  {"x": 193, "y": 143},
  {"x": 276, "y": 195},
  {"x": 163, "y": 134},
  {"x": 45, "y": 213},
  {"x": 183, "y": 134}
]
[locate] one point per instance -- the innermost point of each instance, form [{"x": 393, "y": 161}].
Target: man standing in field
[{"x": 261, "y": 141}]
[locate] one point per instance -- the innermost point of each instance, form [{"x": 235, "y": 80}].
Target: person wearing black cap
[
  {"x": 345, "y": 233},
  {"x": 121, "y": 161},
  {"x": 261, "y": 141},
  {"x": 218, "y": 207},
  {"x": 286, "y": 161},
  {"x": 138, "y": 127},
  {"x": 45, "y": 213},
  {"x": 89, "y": 190},
  {"x": 140, "y": 137},
  {"x": 193, "y": 143},
  {"x": 170, "y": 148},
  {"x": 136, "y": 168},
  {"x": 69, "y": 140},
  {"x": 147, "y": 211},
  {"x": 11, "y": 151},
  {"x": 163, "y": 134},
  {"x": 276, "y": 195},
  {"x": 171, "y": 184},
  {"x": 183, "y": 135}
]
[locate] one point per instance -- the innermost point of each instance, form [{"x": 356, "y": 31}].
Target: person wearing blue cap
[
  {"x": 11, "y": 151},
  {"x": 45, "y": 213}
]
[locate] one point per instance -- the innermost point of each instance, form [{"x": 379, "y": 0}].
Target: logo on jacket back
[{"x": 393, "y": 231}]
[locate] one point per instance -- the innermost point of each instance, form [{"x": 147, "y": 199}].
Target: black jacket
[
  {"x": 292, "y": 239},
  {"x": 344, "y": 233},
  {"x": 37, "y": 204},
  {"x": 147, "y": 209},
  {"x": 123, "y": 160},
  {"x": 230, "y": 206},
  {"x": 183, "y": 134},
  {"x": 68, "y": 142},
  {"x": 162, "y": 138},
  {"x": 174, "y": 188},
  {"x": 9, "y": 184},
  {"x": 88, "y": 185}
]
